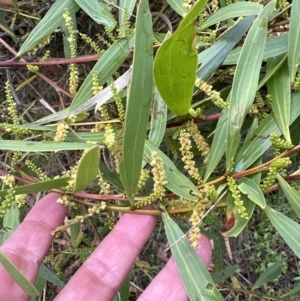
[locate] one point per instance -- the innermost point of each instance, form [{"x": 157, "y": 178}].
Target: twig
[
  {"x": 46, "y": 79},
  {"x": 196, "y": 225},
  {"x": 51, "y": 62}
]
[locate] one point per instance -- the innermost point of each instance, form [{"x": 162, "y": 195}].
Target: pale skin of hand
[{"x": 102, "y": 274}]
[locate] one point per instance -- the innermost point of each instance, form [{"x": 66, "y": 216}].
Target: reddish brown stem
[
  {"x": 49, "y": 81},
  {"x": 51, "y": 62},
  {"x": 196, "y": 120}
]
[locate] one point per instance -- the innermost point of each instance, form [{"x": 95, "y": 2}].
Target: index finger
[
  {"x": 29, "y": 243},
  {"x": 103, "y": 273}
]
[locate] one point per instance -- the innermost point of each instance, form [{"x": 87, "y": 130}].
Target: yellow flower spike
[
  {"x": 215, "y": 96},
  {"x": 61, "y": 132},
  {"x": 237, "y": 197},
  {"x": 187, "y": 155}
]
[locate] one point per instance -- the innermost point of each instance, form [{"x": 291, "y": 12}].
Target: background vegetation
[{"x": 190, "y": 106}]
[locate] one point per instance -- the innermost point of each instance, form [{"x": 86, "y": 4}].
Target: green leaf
[
  {"x": 232, "y": 11},
  {"x": 75, "y": 231},
  {"x": 11, "y": 221},
  {"x": 48, "y": 275},
  {"x": 99, "y": 12},
  {"x": 245, "y": 80},
  {"x": 219, "y": 252},
  {"x": 177, "y": 5},
  {"x": 194, "y": 275},
  {"x": 82, "y": 136},
  {"x": 87, "y": 169},
  {"x": 252, "y": 129},
  {"x": 287, "y": 228},
  {"x": 37, "y": 187},
  {"x": 260, "y": 141},
  {"x": 106, "y": 66},
  {"x": 178, "y": 183},
  {"x": 18, "y": 277},
  {"x": 175, "y": 64},
  {"x": 32, "y": 127},
  {"x": 158, "y": 119},
  {"x": 112, "y": 178},
  {"x": 234, "y": 222},
  {"x": 211, "y": 58},
  {"x": 294, "y": 40},
  {"x": 280, "y": 91},
  {"x": 252, "y": 191},
  {"x": 271, "y": 71},
  {"x": 291, "y": 194},
  {"x": 222, "y": 276},
  {"x": 295, "y": 291},
  {"x": 5, "y": 28},
  {"x": 43, "y": 146},
  {"x": 51, "y": 21},
  {"x": 138, "y": 101},
  {"x": 127, "y": 7},
  {"x": 270, "y": 274},
  {"x": 218, "y": 146},
  {"x": 124, "y": 292},
  {"x": 39, "y": 284},
  {"x": 273, "y": 47}
]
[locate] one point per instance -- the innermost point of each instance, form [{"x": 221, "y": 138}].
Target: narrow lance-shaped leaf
[
  {"x": 271, "y": 273},
  {"x": 126, "y": 10},
  {"x": 218, "y": 146},
  {"x": 195, "y": 277},
  {"x": 211, "y": 58},
  {"x": 274, "y": 46},
  {"x": 235, "y": 223},
  {"x": 291, "y": 194},
  {"x": 245, "y": 80},
  {"x": 253, "y": 192},
  {"x": 88, "y": 167},
  {"x": 177, "y": 5},
  {"x": 138, "y": 101},
  {"x": 47, "y": 274},
  {"x": 4, "y": 27},
  {"x": 43, "y": 146},
  {"x": 18, "y": 277},
  {"x": 175, "y": 64},
  {"x": 294, "y": 40},
  {"x": 159, "y": 115},
  {"x": 287, "y": 228},
  {"x": 232, "y": 11},
  {"x": 280, "y": 91},
  {"x": 106, "y": 66},
  {"x": 99, "y": 12},
  {"x": 272, "y": 71},
  {"x": 11, "y": 221},
  {"x": 37, "y": 187},
  {"x": 51, "y": 21},
  {"x": 158, "y": 119},
  {"x": 260, "y": 141},
  {"x": 98, "y": 99}
]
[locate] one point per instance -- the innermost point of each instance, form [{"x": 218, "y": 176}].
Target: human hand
[{"x": 103, "y": 273}]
